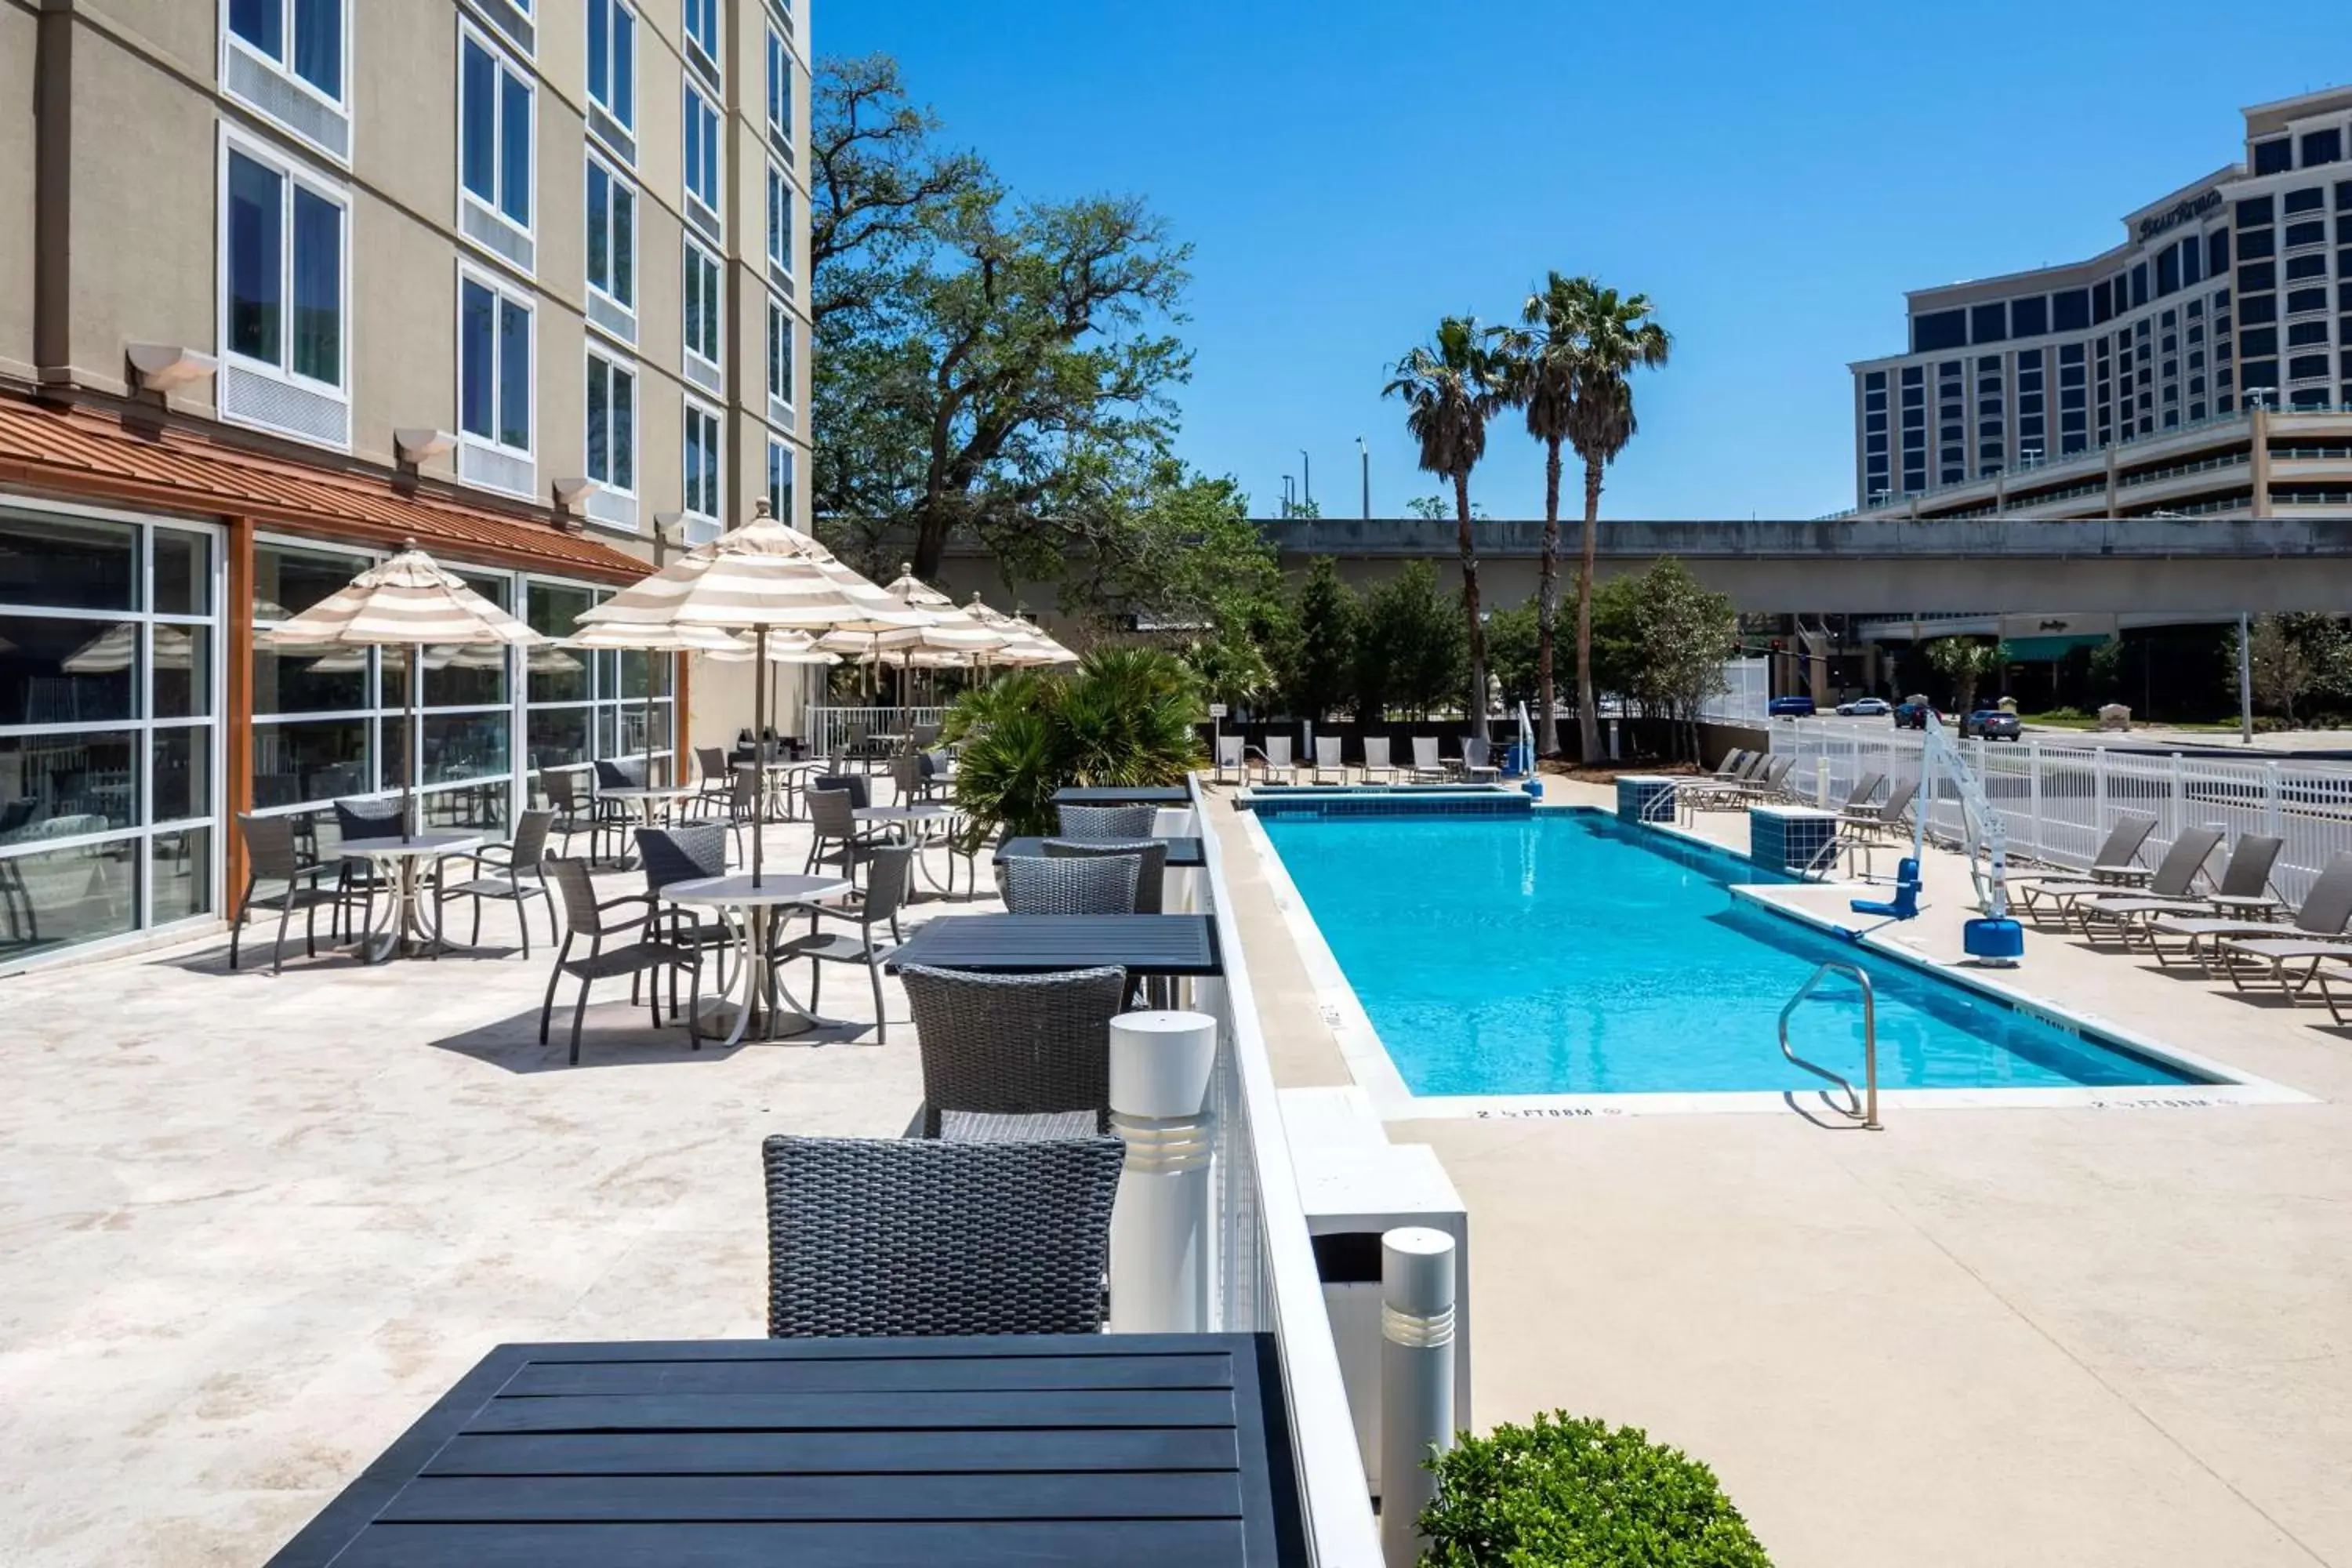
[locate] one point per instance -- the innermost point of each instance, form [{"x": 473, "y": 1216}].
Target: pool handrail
[{"x": 1862, "y": 1106}]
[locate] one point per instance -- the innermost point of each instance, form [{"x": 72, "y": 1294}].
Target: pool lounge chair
[
  {"x": 1861, "y": 797},
  {"x": 1230, "y": 759},
  {"x": 1328, "y": 760},
  {"x": 1277, "y": 755},
  {"x": 1733, "y": 761},
  {"x": 1478, "y": 761},
  {"x": 2325, "y": 913},
  {"x": 1426, "y": 767},
  {"x": 2176, "y": 876},
  {"x": 2243, "y": 893},
  {"x": 2112, "y": 868},
  {"x": 1376, "y": 759},
  {"x": 1767, "y": 783}
]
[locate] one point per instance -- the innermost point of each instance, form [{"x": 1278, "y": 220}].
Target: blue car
[{"x": 1791, "y": 707}]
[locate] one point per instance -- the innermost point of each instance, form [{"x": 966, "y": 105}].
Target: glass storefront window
[
  {"x": 553, "y": 611},
  {"x": 313, "y": 758},
  {"x": 181, "y": 759},
  {"x": 55, "y": 898},
  {"x": 320, "y": 678},
  {"x": 68, "y": 564},
  {"x": 183, "y": 574},
  {"x": 66, "y": 785},
  {"x": 182, "y": 670},
  {"x": 179, "y": 875},
  {"x": 54, "y": 671},
  {"x": 557, "y": 737}
]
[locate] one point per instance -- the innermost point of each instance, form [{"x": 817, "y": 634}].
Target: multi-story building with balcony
[
  {"x": 285, "y": 282},
  {"x": 2203, "y": 367}
]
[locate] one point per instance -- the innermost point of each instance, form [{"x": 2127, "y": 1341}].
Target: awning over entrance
[{"x": 98, "y": 456}]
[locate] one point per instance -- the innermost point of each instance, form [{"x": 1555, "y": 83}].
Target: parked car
[
  {"x": 1789, "y": 708},
  {"x": 1993, "y": 724},
  {"x": 1866, "y": 707},
  {"x": 1911, "y": 713}
]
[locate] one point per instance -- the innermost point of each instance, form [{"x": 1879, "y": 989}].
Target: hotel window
[
  {"x": 702, "y": 457},
  {"x": 494, "y": 119},
  {"x": 2302, "y": 302},
  {"x": 2192, "y": 261},
  {"x": 109, "y": 682},
  {"x": 2257, "y": 244},
  {"x": 589, "y": 705},
  {"x": 702, "y": 27},
  {"x": 2258, "y": 274},
  {"x": 2304, "y": 334},
  {"x": 2309, "y": 199},
  {"x": 612, "y": 60},
  {"x": 2070, "y": 310},
  {"x": 2257, "y": 310},
  {"x": 780, "y": 221},
  {"x": 2103, "y": 305},
  {"x": 2030, "y": 317},
  {"x": 285, "y": 291},
  {"x": 2274, "y": 157},
  {"x": 701, "y": 150},
  {"x": 780, "y": 480},
  {"x": 2312, "y": 231},
  {"x": 2167, "y": 270},
  {"x": 2307, "y": 367},
  {"x": 704, "y": 306},
  {"x": 2139, "y": 285},
  {"x": 494, "y": 365},
  {"x": 1989, "y": 323},
  {"x": 612, "y": 424},
  {"x": 1938, "y": 330},
  {"x": 2217, "y": 254},
  {"x": 612, "y": 236},
  {"x": 302, "y": 39},
  {"x": 2322, "y": 147},
  {"x": 780, "y": 356},
  {"x": 2299, "y": 268},
  {"x": 779, "y": 90}
]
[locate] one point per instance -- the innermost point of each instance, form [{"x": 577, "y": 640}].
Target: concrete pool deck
[{"x": 2088, "y": 1337}]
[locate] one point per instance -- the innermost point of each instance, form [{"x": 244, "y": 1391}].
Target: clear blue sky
[{"x": 1774, "y": 177}]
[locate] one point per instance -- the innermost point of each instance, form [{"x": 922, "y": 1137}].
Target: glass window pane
[
  {"x": 318, "y": 45},
  {"x": 256, "y": 253},
  {"x": 600, "y": 413},
  {"x": 180, "y": 876},
  {"x": 318, "y": 288},
  {"x": 465, "y": 676},
  {"x": 463, "y": 746},
  {"x": 558, "y": 737},
  {"x": 514, "y": 133},
  {"x": 693, "y": 141},
  {"x": 624, "y": 431},
  {"x": 478, "y": 115},
  {"x": 476, "y": 312},
  {"x": 557, "y": 675},
  {"x": 181, "y": 684},
  {"x": 181, "y": 761},
  {"x": 58, "y": 786},
  {"x": 260, "y": 22},
  {"x": 514, "y": 375},
  {"x": 624, "y": 244},
  {"x": 54, "y": 898},
  {"x": 625, "y": 68},
  {"x": 56, "y": 671},
  {"x": 313, "y": 758},
  {"x": 321, "y": 679},
  {"x": 287, "y": 582},
  {"x": 68, "y": 564},
  {"x": 474, "y": 808},
  {"x": 600, "y": 51},
  {"x": 184, "y": 572},
  {"x": 600, "y": 223}
]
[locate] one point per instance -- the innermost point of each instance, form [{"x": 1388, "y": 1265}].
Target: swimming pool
[{"x": 1564, "y": 952}]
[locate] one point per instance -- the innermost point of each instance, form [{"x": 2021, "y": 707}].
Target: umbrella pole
[
  {"x": 415, "y": 741},
  {"x": 758, "y": 747}
]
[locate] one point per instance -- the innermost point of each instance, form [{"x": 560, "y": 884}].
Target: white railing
[
  {"x": 2059, "y": 797},
  {"x": 849, "y": 731},
  {"x": 1747, "y": 691},
  {"x": 1267, "y": 1282}
]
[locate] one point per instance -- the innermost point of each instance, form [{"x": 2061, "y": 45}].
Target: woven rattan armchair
[
  {"x": 357, "y": 882},
  {"x": 512, "y": 871},
  {"x": 270, "y": 857},
  {"x": 883, "y": 1235},
  {"x": 1107, "y": 821},
  {"x": 563, "y": 794},
  {"x": 584, "y": 917},
  {"x": 1151, "y": 863},
  {"x": 684, "y": 854},
  {"x": 887, "y": 885},
  {"x": 1013, "y": 1045},
  {"x": 1098, "y": 885}
]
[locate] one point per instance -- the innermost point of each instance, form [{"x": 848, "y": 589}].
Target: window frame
[
  {"x": 624, "y": 115},
  {"x": 779, "y": 491},
  {"x": 779, "y": 234},
  {"x": 779, "y": 60},
  {"x": 502, "y": 292},
  {"x": 503, "y": 59},
  {"x": 284, "y": 69},
  {"x": 696, "y": 408},
  {"x": 690, "y": 146},
  {"x": 595, "y": 159},
  {"x": 291, "y": 173},
  {"x": 779, "y": 331},
  {"x": 615, "y": 365},
  {"x": 695, "y": 250},
  {"x": 709, "y": 9}
]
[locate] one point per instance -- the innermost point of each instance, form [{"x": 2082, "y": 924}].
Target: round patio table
[
  {"x": 405, "y": 929},
  {"x": 910, "y": 823},
  {"x": 778, "y": 780},
  {"x": 750, "y": 912},
  {"x": 645, "y": 801}
]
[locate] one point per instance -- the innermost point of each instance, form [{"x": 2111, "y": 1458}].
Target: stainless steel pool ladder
[{"x": 1862, "y": 1106}]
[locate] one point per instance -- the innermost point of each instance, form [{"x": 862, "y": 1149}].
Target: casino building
[{"x": 2203, "y": 367}]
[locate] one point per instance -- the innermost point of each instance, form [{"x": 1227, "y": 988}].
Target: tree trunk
[
  {"x": 1587, "y": 713},
  {"x": 1548, "y": 606},
  {"x": 1477, "y": 708},
  {"x": 931, "y": 544}
]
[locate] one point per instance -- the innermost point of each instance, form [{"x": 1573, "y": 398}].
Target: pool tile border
[{"x": 1375, "y": 1072}]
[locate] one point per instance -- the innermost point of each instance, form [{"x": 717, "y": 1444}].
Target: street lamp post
[{"x": 1364, "y": 461}]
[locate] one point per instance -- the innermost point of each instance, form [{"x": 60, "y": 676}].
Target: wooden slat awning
[{"x": 95, "y": 456}]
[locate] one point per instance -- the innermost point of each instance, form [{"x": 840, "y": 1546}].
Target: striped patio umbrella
[
  {"x": 1025, "y": 645},
  {"x": 950, "y": 637},
  {"x": 407, "y": 601},
  {"x": 650, "y": 640},
  {"x": 761, "y": 578}
]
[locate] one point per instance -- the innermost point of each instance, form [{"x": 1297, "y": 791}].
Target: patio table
[
  {"x": 1145, "y": 945},
  {"x": 1159, "y": 1448},
  {"x": 1183, "y": 854},
  {"x": 751, "y": 913},
  {"x": 405, "y": 931},
  {"x": 911, "y": 822},
  {"x": 645, "y": 800},
  {"x": 1122, "y": 794}
]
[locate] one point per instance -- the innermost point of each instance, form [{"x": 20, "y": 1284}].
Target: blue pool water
[{"x": 1564, "y": 953}]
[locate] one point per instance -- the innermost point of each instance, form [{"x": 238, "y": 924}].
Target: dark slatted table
[
  {"x": 1123, "y": 794},
  {"x": 1180, "y": 851},
  {"x": 1081, "y": 1449},
  {"x": 1035, "y": 945}
]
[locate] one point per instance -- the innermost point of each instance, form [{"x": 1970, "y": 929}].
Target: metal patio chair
[
  {"x": 583, "y": 916},
  {"x": 270, "y": 857},
  {"x": 498, "y": 872},
  {"x": 888, "y": 882}
]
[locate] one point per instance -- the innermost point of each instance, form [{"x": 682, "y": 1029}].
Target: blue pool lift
[{"x": 1993, "y": 939}]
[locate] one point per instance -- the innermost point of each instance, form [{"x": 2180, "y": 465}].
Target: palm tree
[
  {"x": 1612, "y": 336},
  {"x": 1542, "y": 367},
  {"x": 1965, "y": 662},
  {"x": 1451, "y": 386}
]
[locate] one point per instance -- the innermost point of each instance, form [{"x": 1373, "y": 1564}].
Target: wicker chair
[
  {"x": 835, "y": 835},
  {"x": 564, "y": 796},
  {"x": 1100, "y": 885},
  {"x": 885, "y": 889},
  {"x": 584, "y": 917},
  {"x": 1151, "y": 867},
  {"x": 718, "y": 782},
  {"x": 857, "y": 787},
  {"x": 498, "y": 872},
  {"x": 270, "y": 857},
  {"x": 911, "y": 775},
  {"x": 358, "y": 882},
  {"x": 683, "y": 854},
  {"x": 623, "y": 775},
  {"x": 895, "y": 1236},
  {"x": 1020, "y": 1045},
  {"x": 1107, "y": 821}
]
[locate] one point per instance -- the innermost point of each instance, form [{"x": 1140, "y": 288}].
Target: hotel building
[
  {"x": 2203, "y": 367},
  {"x": 285, "y": 282}
]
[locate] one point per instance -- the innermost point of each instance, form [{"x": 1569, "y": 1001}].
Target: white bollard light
[
  {"x": 1161, "y": 1226},
  {"x": 1417, "y": 1379}
]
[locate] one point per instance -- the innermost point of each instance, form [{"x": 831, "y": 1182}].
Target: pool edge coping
[{"x": 1375, "y": 1072}]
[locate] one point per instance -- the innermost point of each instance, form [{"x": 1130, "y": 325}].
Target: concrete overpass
[{"x": 2196, "y": 568}]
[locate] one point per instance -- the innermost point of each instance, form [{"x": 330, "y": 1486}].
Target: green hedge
[{"x": 1569, "y": 1493}]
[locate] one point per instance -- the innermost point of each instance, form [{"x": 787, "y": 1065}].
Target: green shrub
[
  {"x": 1124, "y": 716},
  {"x": 1570, "y": 1493}
]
